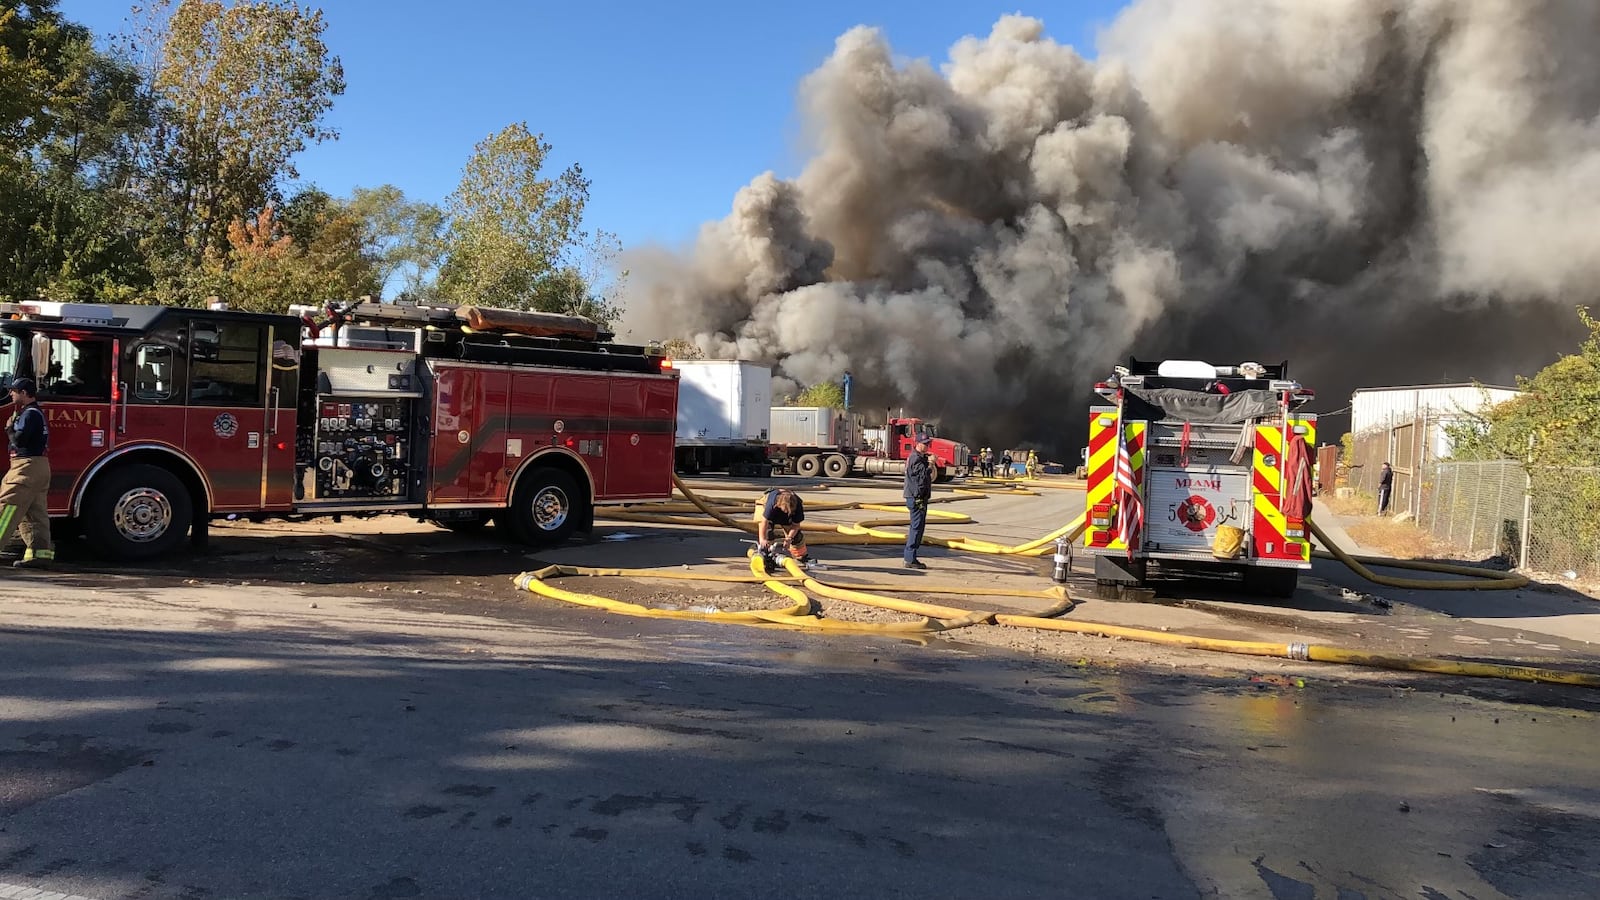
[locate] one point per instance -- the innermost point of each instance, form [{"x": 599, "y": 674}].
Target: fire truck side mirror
[{"x": 206, "y": 343}]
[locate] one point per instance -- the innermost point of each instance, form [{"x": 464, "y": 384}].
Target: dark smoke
[{"x": 1380, "y": 191}]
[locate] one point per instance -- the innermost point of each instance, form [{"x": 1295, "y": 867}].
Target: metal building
[
  {"x": 1385, "y": 407},
  {"x": 1407, "y": 426}
]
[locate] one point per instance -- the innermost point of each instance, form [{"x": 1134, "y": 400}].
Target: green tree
[
  {"x": 70, "y": 117},
  {"x": 1553, "y": 423},
  {"x": 1554, "y": 430},
  {"x": 828, "y": 393},
  {"x": 515, "y": 235},
  {"x": 406, "y": 237},
  {"x": 679, "y": 348},
  {"x": 338, "y": 251},
  {"x": 317, "y": 254},
  {"x": 243, "y": 87}
]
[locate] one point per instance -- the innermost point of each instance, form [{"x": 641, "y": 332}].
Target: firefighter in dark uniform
[
  {"x": 26, "y": 485},
  {"x": 783, "y": 510},
  {"x": 918, "y": 488}
]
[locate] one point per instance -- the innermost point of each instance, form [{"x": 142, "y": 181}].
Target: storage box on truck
[{"x": 724, "y": 416}]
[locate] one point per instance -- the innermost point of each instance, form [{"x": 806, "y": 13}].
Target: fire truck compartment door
[
  {"x": 368, "y": 372},
  {"x": 469, "y": 435},
  {"x": 1184, "y": 506}
]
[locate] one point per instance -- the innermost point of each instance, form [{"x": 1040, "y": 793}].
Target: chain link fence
[{"x": 1543, "y": 519}]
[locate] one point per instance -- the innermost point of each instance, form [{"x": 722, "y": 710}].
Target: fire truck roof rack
[
  {"x": 483, "y": 334},
  {"x": 1190, "y": 369},
  {"x": 549, "y": 351},
  {"x": 483, "y": 319}
]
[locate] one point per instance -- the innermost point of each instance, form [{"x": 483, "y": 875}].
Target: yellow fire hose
[
  {"x": 937, "y": 618},
  {"x": 1476, "y": 580}
]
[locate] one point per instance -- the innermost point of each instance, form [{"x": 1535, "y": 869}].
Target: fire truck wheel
[
  {"x": 836, "y": 466},
  {"x": 548, "y": 507},
  {"x": 940, "y": 474},
  {"x": 137, "y": 512},
  {"x": 808, "y": 466}
]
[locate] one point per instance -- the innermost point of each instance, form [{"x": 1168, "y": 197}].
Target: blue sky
[{"x": 669, "y": 107}]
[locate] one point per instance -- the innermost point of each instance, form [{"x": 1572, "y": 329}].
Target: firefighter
[
  {"x": 27, "y": 482},
  {"x": 782, "y": 509},
  {"x": 918, "y": 488},
  {"x": 1385, "y": 486},
  {"x": 1033, "y": 465}
]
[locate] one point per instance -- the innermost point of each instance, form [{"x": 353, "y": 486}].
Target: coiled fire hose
[{"x": 802, "y": 613}]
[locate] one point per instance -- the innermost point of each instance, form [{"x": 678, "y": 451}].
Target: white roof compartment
[{"x": 1186, "y": 368}]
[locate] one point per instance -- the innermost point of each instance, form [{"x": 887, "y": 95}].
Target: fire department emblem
[
  {"x": 560, "y": 426},
  {"x": 225, "y": 425},
  {"x": 1196, "y": 513}
]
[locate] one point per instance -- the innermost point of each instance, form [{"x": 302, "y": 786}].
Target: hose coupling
[{"x": 1300, "y": 651}]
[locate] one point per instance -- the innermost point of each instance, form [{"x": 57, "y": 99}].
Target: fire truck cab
[
  {"x": 1219, "y": 469},
  {"x": 163, "y": 418}
]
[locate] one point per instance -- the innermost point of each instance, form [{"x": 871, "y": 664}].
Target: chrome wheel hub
[
  {"x": 550, "y": 508},
  {"x": 142, "y": 515}
]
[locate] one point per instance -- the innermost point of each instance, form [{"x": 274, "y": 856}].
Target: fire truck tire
[
  {"x": 836, "y": 466},
  {"x": 548, "y": 508},
  {"x": 137, "y": 512},
  {"x": 940, "y": 474},
  {"x": 808, "y": 466}
]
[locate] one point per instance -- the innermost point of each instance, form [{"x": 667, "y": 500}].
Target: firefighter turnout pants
[{"x": 23, "y": 508}]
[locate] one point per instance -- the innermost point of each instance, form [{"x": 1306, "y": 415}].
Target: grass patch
[
  {"x": 1354, "y": 505},
  {"x": 1398, "y": 540}
]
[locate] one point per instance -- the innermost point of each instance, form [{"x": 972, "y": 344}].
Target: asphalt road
[{"x": 165, "y": 736}]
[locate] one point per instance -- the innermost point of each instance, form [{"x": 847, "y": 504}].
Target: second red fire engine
[{"x": 163, "y": 418}]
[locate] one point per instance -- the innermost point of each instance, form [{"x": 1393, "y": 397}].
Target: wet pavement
[{"x": 303, "y": 720}]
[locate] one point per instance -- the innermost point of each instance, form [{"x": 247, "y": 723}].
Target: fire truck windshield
[{"x": 65, "y": 367}]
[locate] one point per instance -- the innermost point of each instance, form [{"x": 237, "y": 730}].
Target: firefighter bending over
[
  {"x": 24, "y": 490},
  {"x": 782, "y": 511}
]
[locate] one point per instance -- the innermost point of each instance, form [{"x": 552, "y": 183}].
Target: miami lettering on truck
[
  {"x": 1200, "y": 467},
  {"x": 163, "y": 418}
]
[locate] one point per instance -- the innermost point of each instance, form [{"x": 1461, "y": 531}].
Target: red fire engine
[
  {"x": 163, "y": 418},
  {"x": 1201, "y": 467}
]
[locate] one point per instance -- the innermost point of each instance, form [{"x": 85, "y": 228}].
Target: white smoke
[{"x": 1376, "y": 190}]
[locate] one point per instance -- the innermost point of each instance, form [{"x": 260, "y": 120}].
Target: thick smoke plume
[{"x": 1380, "y": 191}]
